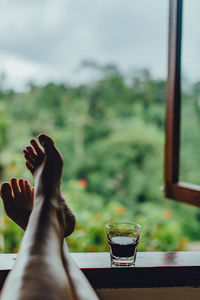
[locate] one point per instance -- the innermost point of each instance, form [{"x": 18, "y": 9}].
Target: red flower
[{"x": 82, "y": 182}]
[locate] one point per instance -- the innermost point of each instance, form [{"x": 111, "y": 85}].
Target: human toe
[
  {"x": 6, "y": 190},
  {"x": 45, "y": 140}
]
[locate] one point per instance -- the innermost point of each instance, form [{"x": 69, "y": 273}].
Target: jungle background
[{"x": 111, "y": 134}]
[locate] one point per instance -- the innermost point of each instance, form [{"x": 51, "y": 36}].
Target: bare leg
[
  {"x": 39, "y": 272},
  {"x": 20, "y": 195},
  {"x": 34, "y": 156},
  {"x": 80, "y": 285},
  {"x": 82, "y": 289}
]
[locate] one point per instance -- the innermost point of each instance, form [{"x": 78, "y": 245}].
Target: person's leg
[
  {"x": 18, "y": 200},
  {"x": 81, "y": 286},
  {"x": 34, "y": 154},
  {"x": 16, "y": 195},
  {"x": 39, "y": 272}
]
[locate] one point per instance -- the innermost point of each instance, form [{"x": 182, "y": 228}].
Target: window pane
[{"x": 190, "y": 93}]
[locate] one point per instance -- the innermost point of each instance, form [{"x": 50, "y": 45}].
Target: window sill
[{"x": 152, "y": 269}]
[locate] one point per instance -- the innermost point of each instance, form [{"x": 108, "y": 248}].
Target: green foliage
[
  {"x": 110, "y": 133},
  {"x": 161, "y": 229},
  {"x": 190, "y": 135},
  {"x": 12, "y": 235}
]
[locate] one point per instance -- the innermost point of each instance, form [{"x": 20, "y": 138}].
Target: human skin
[{"x": 36, "y": 275}]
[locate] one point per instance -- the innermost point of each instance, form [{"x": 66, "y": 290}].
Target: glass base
[{"x": 123, "y": 261}]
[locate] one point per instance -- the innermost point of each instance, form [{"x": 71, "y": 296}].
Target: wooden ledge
[{"x": 152, "y": 269}]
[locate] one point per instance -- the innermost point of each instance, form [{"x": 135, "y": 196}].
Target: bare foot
[
  {"x": 46, "y": 166},
  {"x": 18, "y": 200}
]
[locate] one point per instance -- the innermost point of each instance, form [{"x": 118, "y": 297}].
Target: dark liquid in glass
[{"x": 122, "y": 246}]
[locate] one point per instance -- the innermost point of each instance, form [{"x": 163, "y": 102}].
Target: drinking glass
[{"x": 123, "y": 238}]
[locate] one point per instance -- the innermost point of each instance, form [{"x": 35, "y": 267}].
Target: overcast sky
[{"x": 46, "y": 40}]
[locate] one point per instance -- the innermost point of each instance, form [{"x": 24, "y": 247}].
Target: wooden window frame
[{"x": 174, "y": 189}]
